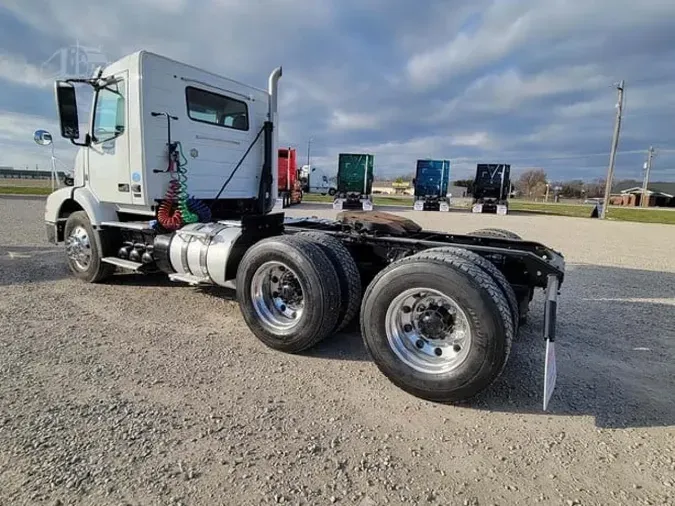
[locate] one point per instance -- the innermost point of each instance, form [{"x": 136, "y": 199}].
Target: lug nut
[
  {"x": 419, "y": 344},
  {"x": 407, "y": 309},
  {"x": 275, "y": 279},
  {"x": 457, "y": 348},
  {"x": 294, "y": 314},
  {"x": 283, "y": 307},
  {"x": 275, "y": 295},
  {"x": 407, "y": 327},
  {"x": 438, "y": 352}
]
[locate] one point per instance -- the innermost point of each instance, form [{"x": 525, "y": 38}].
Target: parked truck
[
  {"x": 316, "y": 180},
  {"x": 288, "y": 183},
  {"x": 491, "y": 188},
  {"x": 176, "y": 173},
  {"x": 354, "y": 182},
  {"x": 431, "y": 185}
]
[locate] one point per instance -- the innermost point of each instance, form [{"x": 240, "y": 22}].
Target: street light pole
[
  {"x": 615, "y": 145},
  {"x": 644, "y": 201},
  {"x": 309, "y": 145}
]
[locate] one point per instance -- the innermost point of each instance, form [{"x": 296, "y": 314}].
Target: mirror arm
[{"x": 86, "y": 143}]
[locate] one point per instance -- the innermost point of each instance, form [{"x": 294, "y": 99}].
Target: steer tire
[
  {"x": 98, "y": 245},
  {"x": 496, "y": 232},
  {"x": 347, "y": 271},
  {"x": 320, "y": 289},
  {"x": 479, "y": 297},
  {"x": 492, "y": 270}
]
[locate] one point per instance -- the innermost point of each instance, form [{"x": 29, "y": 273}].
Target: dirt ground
[{"x": 142, "y": 392}]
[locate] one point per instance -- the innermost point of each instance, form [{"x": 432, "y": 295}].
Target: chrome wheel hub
[
  {"x": 78, "y": 247},
  {"x": 428, "y": 331},
  {"x": 277, "y": 296}
]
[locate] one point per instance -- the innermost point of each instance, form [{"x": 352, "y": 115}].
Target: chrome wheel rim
[
  {"x": 78, "y": 247},
  {"x": 428, "y": 331},
  {"x": 277, "y": 296}
]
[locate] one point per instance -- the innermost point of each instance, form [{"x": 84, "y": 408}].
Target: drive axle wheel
[
  {"x": 428, "y": 331},
  {"x": 288, "y": 292},
  {"x": 496, "y": 232},
  {"x": 437, "y": 326},
  {"x": 347, "y": 271},
  {"x": 83, "y": 251}
]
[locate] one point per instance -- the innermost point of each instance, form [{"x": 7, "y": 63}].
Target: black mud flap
[{"x": 551, "y": 307}]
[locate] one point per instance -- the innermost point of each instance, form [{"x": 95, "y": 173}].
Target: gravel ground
[{"x": 141, "y": 392}]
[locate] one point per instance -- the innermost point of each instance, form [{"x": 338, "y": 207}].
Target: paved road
[{"x": 143, "y": 392}]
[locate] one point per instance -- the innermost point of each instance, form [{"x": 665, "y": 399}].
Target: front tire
[
  {"x": 460, "y": 341},
  {"x": 288, "y": 293},
  {"x": 332, "y": 192},
  {"x": 83, "y": 249}
]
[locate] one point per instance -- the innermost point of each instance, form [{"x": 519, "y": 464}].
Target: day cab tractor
[
  {"x": 355, "y": 182},
  {"x": 431, "y": 185},
  {"x": 176, "y": 173},
  {"x": 288, "y": 183},
  {"x": 491, "y": 188}
]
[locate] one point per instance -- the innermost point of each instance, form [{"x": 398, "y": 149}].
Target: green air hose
[{"x": 186, "y": 213}]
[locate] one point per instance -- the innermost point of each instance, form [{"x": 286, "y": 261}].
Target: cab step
[
  {"x": 142, "y": 226},
  {"x": 190, "y": 280},
  {"x": 125, "y": 264}
]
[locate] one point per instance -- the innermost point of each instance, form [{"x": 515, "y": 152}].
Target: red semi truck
[{"x": 290, "y": 189}]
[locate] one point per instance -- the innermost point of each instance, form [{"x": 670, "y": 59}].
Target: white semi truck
[
  {"x": 317, "y": 180},
  {"x": 176, "y": 173}
]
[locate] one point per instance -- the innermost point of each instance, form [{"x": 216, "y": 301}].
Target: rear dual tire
[
  {"x": 296, "y": 290},
  {"x": 467, "y": 355}
]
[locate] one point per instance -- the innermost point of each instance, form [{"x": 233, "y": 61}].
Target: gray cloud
[{"x": 524, "y": 81}]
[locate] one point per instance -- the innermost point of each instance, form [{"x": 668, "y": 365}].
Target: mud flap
[
  {"x": 367, "y": 205},
  {"x": 477, "y": 208},
  {"x": 551, "y": 307},
  {"x": 337, "y": 204},
  {"x": 444, "y": 207},
  {"x": 502, "y": 210},
  {"x": 418, "y": 205}
]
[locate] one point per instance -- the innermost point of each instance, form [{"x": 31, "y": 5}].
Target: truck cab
[
  {"x": 431, "y": 185},
  {"x": 148, "y": 108}
]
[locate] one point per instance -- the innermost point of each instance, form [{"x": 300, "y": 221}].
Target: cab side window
[
  {"x": 109, "y": 113},
  {"x": 207, "y": 107}
]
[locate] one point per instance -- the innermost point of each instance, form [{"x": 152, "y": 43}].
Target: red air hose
[{"x": 169, "y": 214}]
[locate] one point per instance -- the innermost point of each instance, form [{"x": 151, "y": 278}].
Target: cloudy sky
[{"x": 526, "y": 82}]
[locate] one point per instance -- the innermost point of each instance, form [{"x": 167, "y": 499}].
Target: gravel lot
[{"x": 141, "y": 392}]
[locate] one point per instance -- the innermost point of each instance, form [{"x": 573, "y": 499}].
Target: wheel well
[{"x": 67, "y": 208}]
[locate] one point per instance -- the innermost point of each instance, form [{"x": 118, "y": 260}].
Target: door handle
[{"x": 123, "y": 187}]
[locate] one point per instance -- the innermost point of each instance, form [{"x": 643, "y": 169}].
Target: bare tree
[{"x": 532, "y": 183}]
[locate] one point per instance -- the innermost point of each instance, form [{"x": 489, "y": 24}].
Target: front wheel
[
  {"x": 83, "y": 252},
  {"x": 332, "y": 192}
]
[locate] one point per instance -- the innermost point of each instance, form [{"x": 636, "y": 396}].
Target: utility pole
[
  {"x": 644, "y": 200},
  {"x": 615, "y": 145},
  {"x": 309, "y": 145}
]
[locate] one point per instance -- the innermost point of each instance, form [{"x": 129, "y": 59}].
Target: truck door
[{"x": 108, "y": 168}]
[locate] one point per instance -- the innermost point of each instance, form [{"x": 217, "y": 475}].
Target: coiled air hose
[{"x": 178, "y": 208}]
